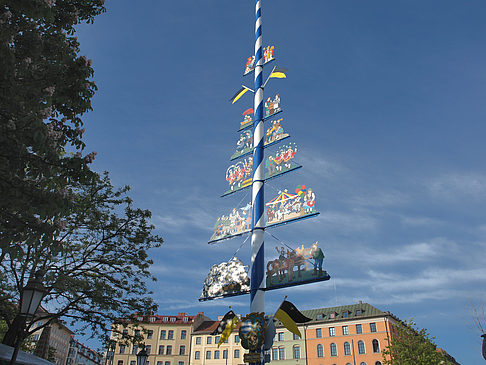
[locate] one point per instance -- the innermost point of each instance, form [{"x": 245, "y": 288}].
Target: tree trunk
[{"x": 15, "y": 332}]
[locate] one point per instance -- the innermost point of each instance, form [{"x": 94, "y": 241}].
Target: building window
[
  {"x": 134, "y": 349},
  {"x": 237, "y": 339},
  {"x": 216, "y": 354},
  {"x": 152, "y": 319},
  {"x": 319, "y": 316},
  {"x": 216, "y": 339},
  {"x": 320, "y": 350},
  {"x": 295, "y": 337},
  {"x": 166, "y": 319},
  {"x": 332, "y": 331},
  {"x": 198, "y": 340},
  {"x": 376, "y": 346},
  {"x": 120, "y": 362},
  {"x": 345, "y": 330},
  {"x": 275, "y": 353},
  {"x": 185, "y": 319},
  {"x": 236, "y": 354},
  {"x": 122, "y": 349},
  {"x": 173, "y": 319},
  {"x": 359, "y": 329},
  {"x": 170, "y": 336},
  {"x": 280, "y": 336},
  {"x": 333, "y": 348},
  {"x": 162, "y": 335},
  {"x": 378, "y": 363},
  {"x": 362, "y": 363},
  {"x": 197, "y": 355},
  {"x": 208, "y": 355},
  {"x": 318, "y": 332},
  {"x": 183, "y": 334},
  {"x": 166, "y": 363},
  {"x": 169, "y": 350},
  {"x": 361, "y": 347},
  {"x": 181, "y": 362},
  {"x": 124, "y": 333},
  {"x": 225, "y": 354},
  {"x": 358, "y": 312},
  {"x": 182, "y": 350},
  {"x": 373, "y": 327},
  {"x": 296, "y": 352},
  {"x": 347, "y": 348},
  {"x": 140, "y": 319},
  {"x": 160, "y": 363},
  {"x": 161, "y": 349},
  {"x": 148, "y": 348},
  {"x": 150, "y": 334},
  {"x": 209, "y": 340},
  {"x": 137, "y": 332},
  {"x": 281, "y": 353},
  {"x": 332, "y": 315}
]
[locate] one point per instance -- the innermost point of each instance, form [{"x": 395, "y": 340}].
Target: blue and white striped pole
[{"x": 257, "y": 298}]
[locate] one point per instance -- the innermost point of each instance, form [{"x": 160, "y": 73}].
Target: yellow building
[{"x": 167, "y": 340}]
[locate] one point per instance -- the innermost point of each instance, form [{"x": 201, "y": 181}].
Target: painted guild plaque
[
  {"x": 295, "y": 267},
  {"x": 288, "y": 207},
  {"x": 239, "y": 175},
  {"x": 226, "y": 279},
  {"x": 272, "y": 106},
  {"x": 252, "y": 331},
  {"x": 236, "y": 223},
  {"x": 267, "y": 57},
  {"x": 274, "y": 134}
]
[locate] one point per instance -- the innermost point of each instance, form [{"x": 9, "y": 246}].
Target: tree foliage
[
  {"x": 45, "y": 87},
  {"x": 409, "y": 344},
  {"x": 95, "y": 267},
  {"x": 57, "y": 217}
]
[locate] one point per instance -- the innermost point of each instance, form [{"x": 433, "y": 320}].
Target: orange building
[{"x": 347, "y": 335}]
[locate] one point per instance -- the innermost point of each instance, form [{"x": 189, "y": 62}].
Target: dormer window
[
  {"x": 345, "y": 314},
  {"x": 185, "y": 319},
  {"x": 319, "y": 316},
  {"x": 152, "y": 319},
  {"x": 172, "y": 319},
  {"x": 140, "y": 319},
  {"x": 332, "y": 315},
  {"x": 359, "y": 312},
  {"x": 166, "y": 319}
]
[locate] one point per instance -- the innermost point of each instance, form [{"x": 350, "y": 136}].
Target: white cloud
[{"x": 458, "y": 186}]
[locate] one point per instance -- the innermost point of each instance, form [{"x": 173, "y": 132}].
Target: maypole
[{"x": 257, "y": 297}]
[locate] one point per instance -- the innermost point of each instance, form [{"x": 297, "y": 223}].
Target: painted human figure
[
  {"x": 318, "y": 257},
  {"x": 276, "y": 102},
  {"x": 309, "y": 201}
]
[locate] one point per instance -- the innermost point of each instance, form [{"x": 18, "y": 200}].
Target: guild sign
[
  {"x": 287, "y": 207},
  {"x": 295, "y": 267},
  {"x": 252, "y": 331},
  {"x": 267, "y": 57},
  {"x": 234, "y": 224}
]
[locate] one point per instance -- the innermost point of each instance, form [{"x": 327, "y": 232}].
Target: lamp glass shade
[
  {"x": 142, "y": 357},
  {"x": 32, "y": 296}
]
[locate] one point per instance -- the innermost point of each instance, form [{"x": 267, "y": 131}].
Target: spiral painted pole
[{"x": 257, "y": 298}]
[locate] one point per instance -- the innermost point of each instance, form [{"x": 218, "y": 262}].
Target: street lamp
[
  {"x": 484, "y": 345},
  {"x": 142, "y": 356},
  {"x": 31, "y": 295}
]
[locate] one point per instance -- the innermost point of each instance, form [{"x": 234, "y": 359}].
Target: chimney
[{"x": 360, "y": 302}]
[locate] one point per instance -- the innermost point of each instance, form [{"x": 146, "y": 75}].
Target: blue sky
[{"x": 385, "y": 100}]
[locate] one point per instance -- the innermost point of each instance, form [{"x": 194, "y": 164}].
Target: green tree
[
  {"x": 45, "y": 87},
  {"x": 95, "y": 266},
  {"x": 409, "y": 345}
]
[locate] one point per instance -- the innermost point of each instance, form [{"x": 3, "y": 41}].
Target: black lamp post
[
  {"x": 31, "y": 295},
  {"x": 142, "y": 356},
  {"x": 484, "y": 345}
]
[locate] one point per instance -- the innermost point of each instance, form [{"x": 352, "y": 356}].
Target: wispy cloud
[{"x": 458, "y": 186}]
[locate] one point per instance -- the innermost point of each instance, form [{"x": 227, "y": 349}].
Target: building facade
[
  {"x": 167, "y": 340},
  {"x": 80, "y": 354},
  {"x": 205, "y": 350}
]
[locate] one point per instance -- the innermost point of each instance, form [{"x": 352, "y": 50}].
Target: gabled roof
[{"x": 354, "y": 311}]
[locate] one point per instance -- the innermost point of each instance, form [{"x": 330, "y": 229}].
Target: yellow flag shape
[
  {"x": 279, "y": 73},
  {"x": 228, "y": 329},
  {"x": 289, "y": 315},
  {"x": 239, "y": 94}
]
